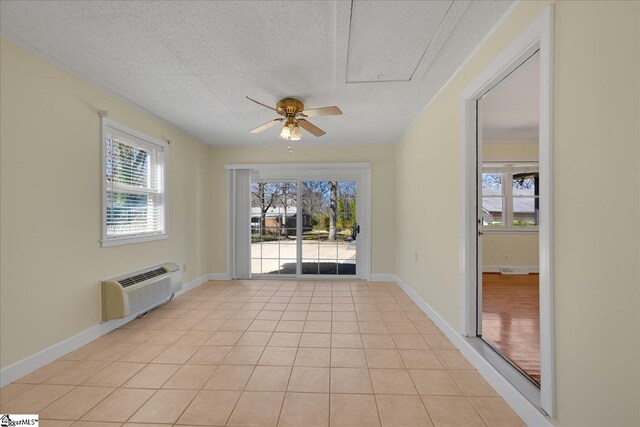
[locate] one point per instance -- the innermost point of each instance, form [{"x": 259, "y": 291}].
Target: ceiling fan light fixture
[
  {"x": 286, "y": 133},
  {"x": 296, "y": 135},
  {"x": 294, "y": 117}
]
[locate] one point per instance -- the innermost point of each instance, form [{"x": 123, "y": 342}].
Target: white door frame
[
  {"x": 359, "y": 172},
  {"x": 479, "y": 235},
  {"x": 538, "y": 36}
]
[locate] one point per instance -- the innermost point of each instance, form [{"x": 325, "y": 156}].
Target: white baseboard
[
  {"x": 525, "y": 409},
  {"x": 383, "y": 277},
  {"x": 219, "y": 276},
  {"x": 31, "y": 363},
  {"x": 496, "y": 268},
  {"x": 186, "y": 287}
]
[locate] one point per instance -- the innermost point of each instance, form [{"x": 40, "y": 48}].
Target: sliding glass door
[
  {"x": 274, "y": 216},
  {"x": 329, "y": 231},
  {"x": 304, "y": 228}
]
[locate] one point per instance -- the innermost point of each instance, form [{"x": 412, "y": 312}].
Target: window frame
[
  {"x": 507, "y": 170},
  {"x": 108, "y": 125}
]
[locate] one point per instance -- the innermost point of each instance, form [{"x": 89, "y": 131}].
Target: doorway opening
[{"x": 507, "y": 220}]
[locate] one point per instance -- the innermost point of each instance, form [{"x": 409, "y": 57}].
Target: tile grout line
[
  {"x": 284, "y": 397},
  {"x": 375, "y": 400},
  {"x": 244, "y": 388},
  {"x": 240, "y": 395},
  {"x": 330, "y": 367},
  {"x": 377, "y": 296},
  {"x": 144, "y": 403},
  {"x": 241, "y": 391},
  {"x": 185, "y": 408},
  {"x": 476, "y": 409},
  {"x": 168, "y": 379},
  {"x": 414, "y": 385}
]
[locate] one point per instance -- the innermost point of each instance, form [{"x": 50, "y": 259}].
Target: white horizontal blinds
[{"x": 135, "y": 187}]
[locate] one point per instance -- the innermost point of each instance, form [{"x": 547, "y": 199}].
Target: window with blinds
[{"x": 134, "y": 185}]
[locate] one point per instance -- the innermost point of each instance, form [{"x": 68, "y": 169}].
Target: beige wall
[
  {"x": 597, "y": 308},
  {"x": 381, "y": 158},
  {"x": 596, "y": 271},
  {"x": 499, "y": 151},
  {"x": 51, "y": 260},
  {"x": 500, "y": 248}
]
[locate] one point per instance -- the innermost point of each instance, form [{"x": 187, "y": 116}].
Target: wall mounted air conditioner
[{"x": 140, "y": 290}]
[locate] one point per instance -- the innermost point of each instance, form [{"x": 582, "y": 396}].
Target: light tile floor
[{"x": 267, "y": 353}]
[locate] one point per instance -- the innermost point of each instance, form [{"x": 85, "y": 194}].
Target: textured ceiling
[
  {"x": 511, "y": 109},
  {"x": 192, "y": 63}
]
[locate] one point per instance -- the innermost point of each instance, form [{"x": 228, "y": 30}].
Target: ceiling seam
[
  {"x": 346, "y": 67},
  {"x": 444, "y": 18}
]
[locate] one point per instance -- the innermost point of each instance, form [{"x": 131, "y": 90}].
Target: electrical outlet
[
  {"x": 184, "y": 268},
  {"x": 506, "y": 257}
]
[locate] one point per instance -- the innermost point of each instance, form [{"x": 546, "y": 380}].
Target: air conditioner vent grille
[
  {"x": 147, "y": 295},
  {"x": 129, "y": 281}
]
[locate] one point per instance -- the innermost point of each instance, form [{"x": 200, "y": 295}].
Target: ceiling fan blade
[
  {"x": 310, "y": 127},
  {"x": 266, "y": 126},
  {"x": 260, "y": 103},
  {"x": 324, "y": 111}
]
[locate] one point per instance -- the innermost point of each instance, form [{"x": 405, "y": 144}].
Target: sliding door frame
[
  {"x": 289, "y": 172},
  {"x": 537, "y": 37}
]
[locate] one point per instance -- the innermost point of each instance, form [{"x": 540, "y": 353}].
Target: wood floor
[{"x": 511, "y": 319}]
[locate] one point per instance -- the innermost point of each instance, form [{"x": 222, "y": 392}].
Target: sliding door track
[{"x": 514, "y": 375}]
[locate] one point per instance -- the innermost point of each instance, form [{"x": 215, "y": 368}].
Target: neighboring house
[
  {"x": 275, "y": 218},
  {"x": 524, "y": 210}
]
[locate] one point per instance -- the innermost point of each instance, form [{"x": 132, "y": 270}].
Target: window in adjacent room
[
  {"x": 134, "y": 186},
  {"x": 510, "y": 196}
]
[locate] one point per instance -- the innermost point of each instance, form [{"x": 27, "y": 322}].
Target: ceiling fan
[{"x": 294, "y": 118}]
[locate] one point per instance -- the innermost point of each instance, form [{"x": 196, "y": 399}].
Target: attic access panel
[{"x": 388, "y": 40}]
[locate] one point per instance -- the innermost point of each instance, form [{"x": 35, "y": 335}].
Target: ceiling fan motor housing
[{"x": 289, "y": 107}]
